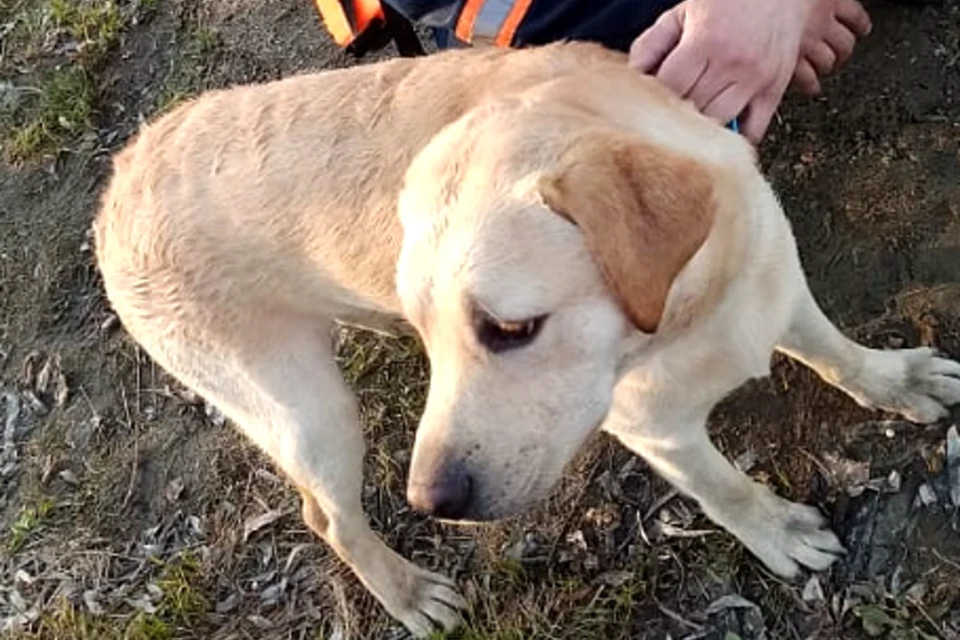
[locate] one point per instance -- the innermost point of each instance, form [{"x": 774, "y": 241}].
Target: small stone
[
  {"x": 577, "y": 539},
  {"x": 746, "y": 461},
  {"x": 214, "y": 415},
  {"x": 927, "y": 495},
  {"x": 195, "y": 525},
  {"x": 894, "y": 481},
  {"x": 23, "y": 577},
  {"x": 174, "y": 490}
]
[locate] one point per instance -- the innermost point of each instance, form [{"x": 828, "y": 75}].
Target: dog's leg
[
  {"x": 783, "y": 534},
  {"x": 916, "y": 383},
  {"x": 280, "y": 385}
]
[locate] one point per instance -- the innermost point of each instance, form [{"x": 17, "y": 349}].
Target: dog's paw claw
[
  {"x": 786, "y": 536},
  {"x": 916, "y": 383},
  {"x": 432, "y": 604}
]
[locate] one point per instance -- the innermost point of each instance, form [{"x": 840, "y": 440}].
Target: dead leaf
[
  {"x": 90, "y": 599},
  {"x": 271, "y": 595},
  {"x": 256, "y": 523},
  {"x": 953, "y": 464},
  {"x": 616, "y": 578},
  {"x": 293, "y": 556},
  {"x": 813, "y": 591},
  {"x": 848, "y": 475},
  {"x": 228, "y": 604},
  {"x": 260, "y": 622},
  {"x": 143, "y": 603},
  {"x": 43, "y": 381}
]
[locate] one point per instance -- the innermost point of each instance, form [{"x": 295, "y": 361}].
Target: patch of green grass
[
  {"x": 601, "y": 612},
  {"x": 27, "y": 25},
  {"x": 94, "y": 24},
  {"x": 147, "y": 626},
  {"x": 181, "y": 607},
  {"x": 185, "y": 78},
  {"x": 27, "y": 523},
  {"x": 60, "y": 107},
  {"x": 67, "y": 622},
  {"x": 892, "y": 623},
  {"x": 511, "y": 606},
  {"x": 182, "y": 600},
  {"x": 58, "y": 102},
  {"x": 723, "y": 556}
]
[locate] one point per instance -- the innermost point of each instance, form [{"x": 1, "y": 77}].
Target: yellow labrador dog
[{"x": 577, "y": 248}]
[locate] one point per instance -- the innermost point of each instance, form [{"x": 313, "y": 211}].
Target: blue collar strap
[{"x": 734, "y": 126}]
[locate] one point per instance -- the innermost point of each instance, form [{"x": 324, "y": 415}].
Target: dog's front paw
[
  {"x": 915, "y": 383},
  {"x": 785, "y": 535},
  {"x": 430, "y": 603}
]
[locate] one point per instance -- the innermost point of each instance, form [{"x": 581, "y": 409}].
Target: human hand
[
  {"x": 732, "y": 58},
  {"x": 828, "y": 41}
]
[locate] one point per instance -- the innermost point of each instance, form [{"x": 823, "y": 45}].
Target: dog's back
[{"x": 234, "y": 197}]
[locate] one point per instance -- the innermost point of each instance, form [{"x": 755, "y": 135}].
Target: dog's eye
[{"x": 499, "y": 336}]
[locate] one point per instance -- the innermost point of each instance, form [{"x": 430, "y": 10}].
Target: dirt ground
[{"x": 129, "y": 509}]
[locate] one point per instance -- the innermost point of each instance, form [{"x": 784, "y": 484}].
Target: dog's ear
[{"x": 644, "y": 212}]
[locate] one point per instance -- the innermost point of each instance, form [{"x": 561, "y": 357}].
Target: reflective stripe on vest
[
  {"x": 493, "y": 20},
  {"x": 347, "y": 19}
]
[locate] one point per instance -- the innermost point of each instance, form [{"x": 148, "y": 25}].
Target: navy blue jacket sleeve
[
  {"x": 441, "y": 14},
  {"x": 614, "y": 23}
]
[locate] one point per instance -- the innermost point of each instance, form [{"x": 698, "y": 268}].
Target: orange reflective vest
[
  {"x": 367, "y": 25},
  {"x": 348, "y": 19}
]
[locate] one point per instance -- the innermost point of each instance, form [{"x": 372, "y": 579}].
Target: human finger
[
  {"x": 842, "y": 41},
  {"x": 650, "y": 49},
  {"x": 805, "y": 78},
  {"x": 855, "y": 17},
  {"x": 682, "y": 69},
  {"x": 729, "y": 103},
  {"x": 756, "y": 119},
  {"x": 821, "y": 56}
]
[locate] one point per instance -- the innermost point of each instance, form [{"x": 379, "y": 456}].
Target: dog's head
[{"x": 536, "y": 239}]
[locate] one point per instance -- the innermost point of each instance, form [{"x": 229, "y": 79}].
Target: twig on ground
[
  {"x": 673, "y": 615},
  {"x": 660, "y": 503},
  {"x": 136, "y": 450},
  {"x": 926, "y": 616}
]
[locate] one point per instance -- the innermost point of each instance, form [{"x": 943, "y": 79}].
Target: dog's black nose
[{"x": 447, "y": 495}]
